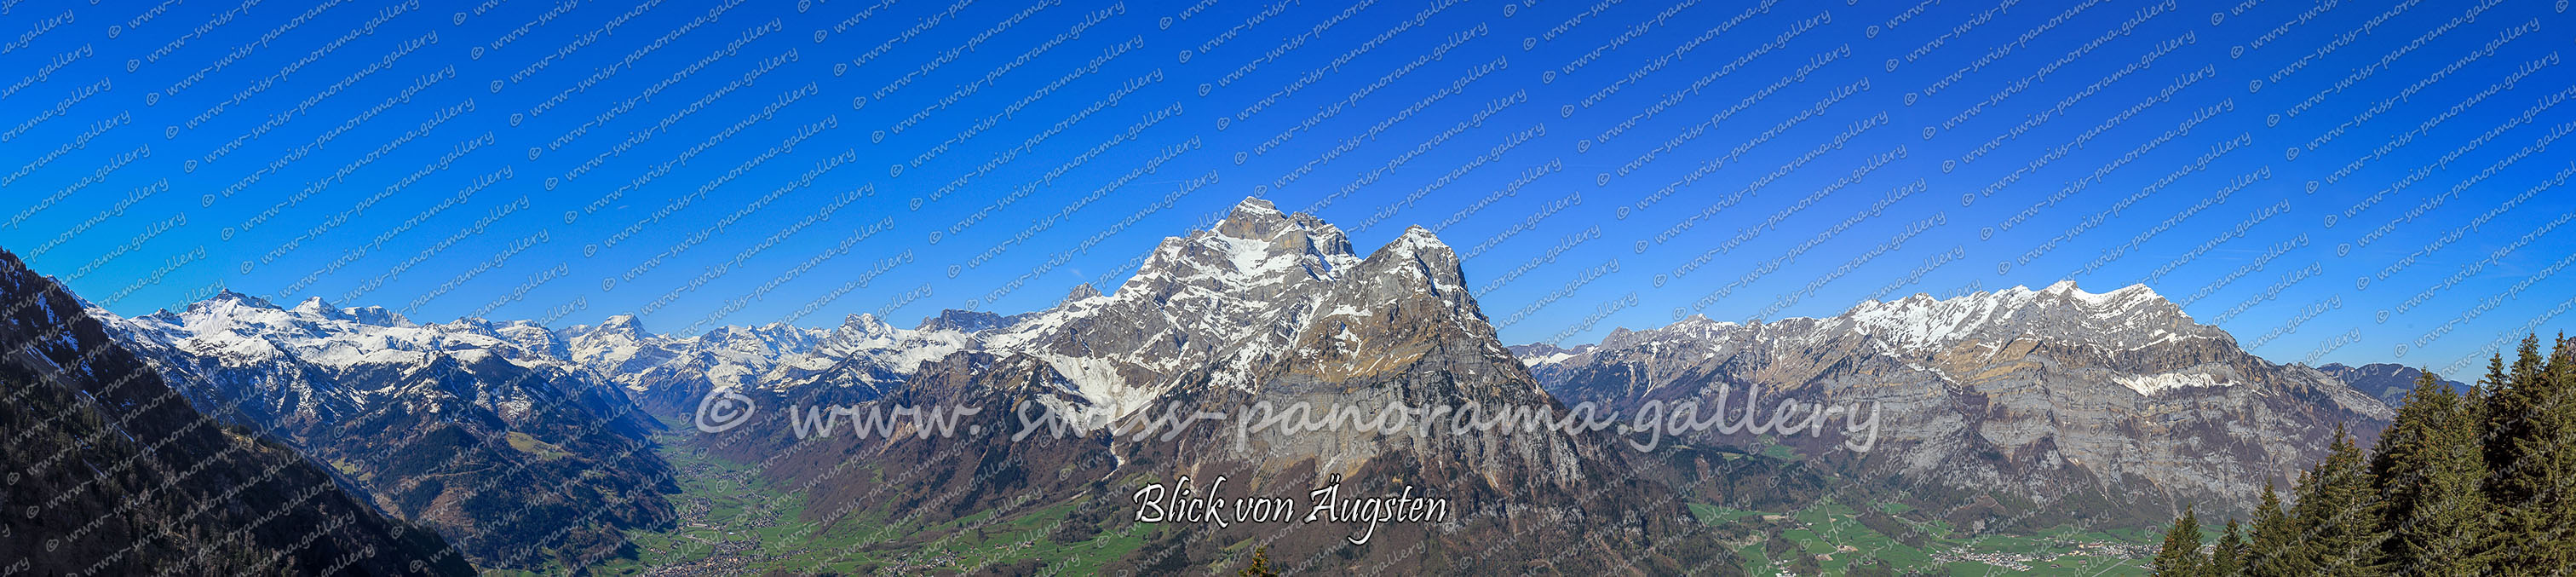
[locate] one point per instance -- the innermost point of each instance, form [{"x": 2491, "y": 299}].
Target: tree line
[{"x": 2459, "y": 484}]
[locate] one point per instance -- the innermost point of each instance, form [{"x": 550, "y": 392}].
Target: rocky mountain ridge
[
  {"x": 2059, "y": 394},
  {"x": 2388, "y": 382}
]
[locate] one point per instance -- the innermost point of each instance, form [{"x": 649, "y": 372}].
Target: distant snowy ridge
[{"x": 1236, "y": 296}]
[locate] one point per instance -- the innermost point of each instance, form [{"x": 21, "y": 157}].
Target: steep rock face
[
  {"x": 1397, "y": 327},
  {"x": 1400, "y": 328},
  {"x": 112, "y": 472},
  {"x": 471, "y": 428},
  {"x": 2388, "y": 382},
  {"x": 2107, "y": 403}
]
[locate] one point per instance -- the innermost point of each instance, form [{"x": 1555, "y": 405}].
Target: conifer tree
[
  {"x": 2533, "y": 503},
  {"x": 2181, "y": 556},
  {"x": 2505, "y": 408},
  {"x": 2272, "y": 551},
  {"x": 2508, "y": 418},
  {"x": 1260, "y": 566},
  {"x": 2431, "y": 468},
  {"x": 2398, "y": 462},
  {"x": 2337, "y": 516},
  {"x": 2228, "y": 557},
  {"x": 2475, "y": 483}
]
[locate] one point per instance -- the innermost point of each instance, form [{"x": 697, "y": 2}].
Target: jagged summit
[
  {"x": 2126, "y": 325},
  {"x": 1079, "y": 292},
  {"x": 374, "y": 315},
  {"x": 622, "y": 322},
  {"x": 1257, "y": 219},
  {"x": 1417, "y": 236},
  {"x": 2136, "y": 293},
  {"x": 2130, "y": 317},
  {"x": 1255, "y": 242},
  {"x": 228, "y": 297},
  {"x": 1253, "y": 218},
  {"x": 2061, "y": 291},
  {"x": 972, "y": 321},
  {"x": 1431, "y": 257},
  {"x": 863, "y": 322},
  {"x": 1262, "y": 286}
]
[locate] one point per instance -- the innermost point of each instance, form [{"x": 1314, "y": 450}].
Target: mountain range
[
  {"x": 111, "y": 472},
  {"x": 550, "y": 449},
  {"x": 2389, "y": 382},
  {"x": 2055, "y": 403}
]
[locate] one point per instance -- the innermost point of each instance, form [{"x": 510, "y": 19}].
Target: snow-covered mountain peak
[
  {"x": 2129, "y": 317},
  {"x": 1416, "y": 236},
  {"x": 1701, "y": 320},
  {"x": 227, "y": 299},
  {"x": 1261, "y": 287},
  {"x": 1254, "y": 218},
  {"x": 1256, "y": 247},
  {"x": 2128, "y": 296},
  {"x": 1419, "y": 244},
  {"x": 2117, "y": 322},
  {"x": 315, "y": 306},
  {"x": 1419, "y": 256},
  {"x": 1700, "y": 326},
  {"x": 1537, "y": 354},
  {"x": 378, "y": 316},
  {"x": 624, "y": 325},
  {"x": 772, "y": 333},
  {"x": 1258, "y": 235},
  {"x": 863, "y": 324},
  {"x": 233, "y": 334},
  {"x": 232, "y": 313}
]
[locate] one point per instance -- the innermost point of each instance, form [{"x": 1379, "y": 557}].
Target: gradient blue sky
[{"x": 207, "y": 154}]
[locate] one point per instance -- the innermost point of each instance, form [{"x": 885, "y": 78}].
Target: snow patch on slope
[
  {"x": 2149, "y": 385},
  {"x": 1098, "y": 381}
]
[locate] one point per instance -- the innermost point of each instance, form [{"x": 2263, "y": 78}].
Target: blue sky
[{"x": 1601, "y": 163}]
